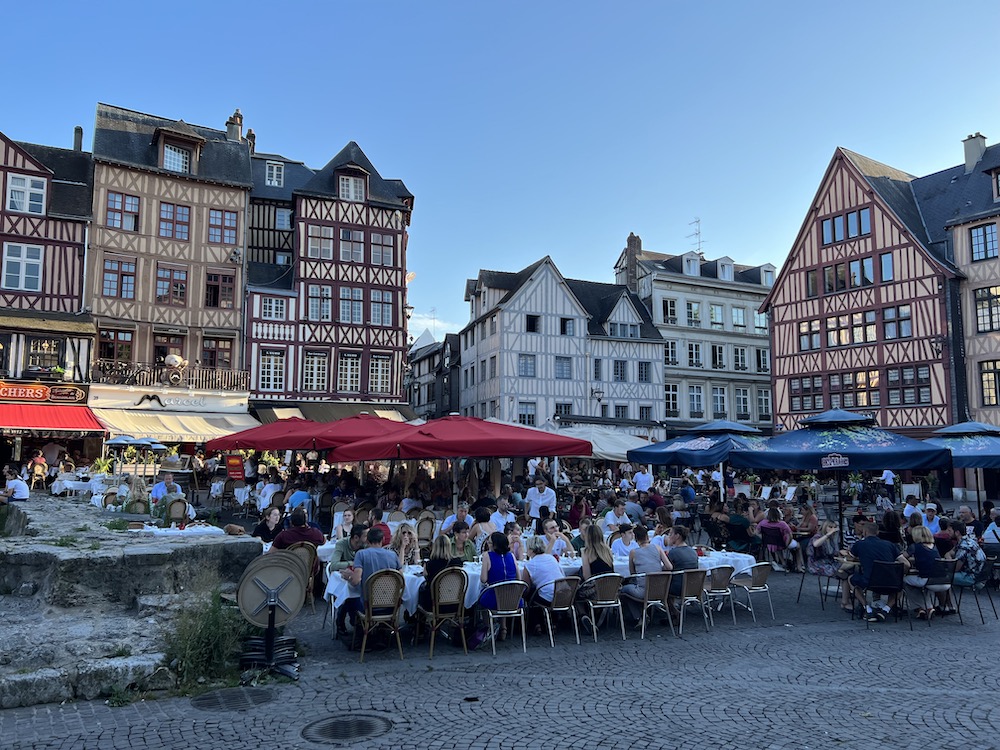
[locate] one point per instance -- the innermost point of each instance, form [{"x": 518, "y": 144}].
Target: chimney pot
[{"x": 78, "y": 138}]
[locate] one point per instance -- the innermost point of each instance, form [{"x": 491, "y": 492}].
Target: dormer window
[
  {"x": 726, "y": 272},
  {"x": 176, "y": 159},
  {"x": 275, "y": 174},
  {"x": 26, "y": 195},
  {"x": 768, "y": 277},
  {"x": 996, "y": 185},
  {"x": 352, "y": 189},
  {"x": 692, "y": 267}
]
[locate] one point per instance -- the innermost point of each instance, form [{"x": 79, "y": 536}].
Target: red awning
[{"x": 22, "y": 419}]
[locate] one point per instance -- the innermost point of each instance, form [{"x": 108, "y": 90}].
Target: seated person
[
  {"x": 968, "y": 554},
  {"x": 513, "y": 532},
  {"x": 868, "y": 551},
  {"x": 579, "y": 540},
  {"x": 16, "y": 488},
  {"x": 681, "y": 557},
  {"x": 775, "y": 522},
  {"x": 541, "y": 569},
  {"x": 270, "y": 525},
  {"x": 412, "y": 499},
  {"x": 498, "y": 565},
  {"x": 166, "y": 486},
  {"x": 461, "y": 547},
  {"x": 405, "y": 545},
  {"x": 556, "y": 542},
  {"x": 644, "y": 558},
  {"x": 299, "y": 531},
  {"x": 373, "y": 558},
  {"x": 298, "y": 498},
  {"x": 616, "y": 516},
  {"x": 625, "y": 543},
  {"x": 460, "y": 514},
  {"x": 440, "y": 559},
  {"x": 375, "y": 518}
]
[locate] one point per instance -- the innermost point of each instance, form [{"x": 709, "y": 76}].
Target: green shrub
[
  {"x": 65, "y": 541},
  {"x": 116, "y": 524}
]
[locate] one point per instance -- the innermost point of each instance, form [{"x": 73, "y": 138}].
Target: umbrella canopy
[
  {"x": 724, "y": 425},
  {"x": 452, "y": 437},
  {"x": 694, "y": 450},
  {"x": 973, "y": 445},
  {"x": 354, "y": 428},
  {"x": 969, "y": 428},
  {"x": 844, "y": 441},
  {"x": 284, "y": 434},
  {"x": 607, "y": 444}
]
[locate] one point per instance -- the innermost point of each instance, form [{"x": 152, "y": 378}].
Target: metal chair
[
  {"x": 887, "y": 579},
  {"x": 509, "y": 603},
  {"x": 718, "y": 586},
  {"x": 606, "y": 588},
  {"x": 942, "y": 580},
  {"x": 755, "y": 583},
  {"x": 448, "y": 605},
  {"x": 692, "y": 592},
  {"x": 655, "y": 597},
  {"x": 383, "y": 597},
  {"x": 982, "y": 582},
  {"x": 563, "y": 596}
]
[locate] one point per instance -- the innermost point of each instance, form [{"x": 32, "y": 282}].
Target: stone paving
[{"x": 809, "y": 679}]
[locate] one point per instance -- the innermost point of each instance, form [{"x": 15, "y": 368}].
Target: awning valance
[
  {"x": 173, "y": 426},
  {"x": 44, "y": 419},
  {"x": 332, "y": 411}
]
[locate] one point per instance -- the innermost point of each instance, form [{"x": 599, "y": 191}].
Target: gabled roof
[
  {"x": 388, "y": 193},
  {"x": 600, "y": 300},
  {"x": 124, "y": 136},
  {"x": 72, "y": 180},
  {"x": 953, "y": 197},
  {"x": 674, "y": 264},
  {"x": 507, "y": 280},
  {"x": 425, "y": 351},
  {"x": 296, "y": 175}
]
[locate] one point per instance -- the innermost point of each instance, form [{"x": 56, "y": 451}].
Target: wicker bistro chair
[
  {"x": 563, "y": 596},
  {"x": 657, "y": 589},
  {"x": 177, "y": 511},
  {"x": 38, "y": 474},
  {"x": 982, "y": 583},
  {"x": 718, "y": 588},
  {"x": 227, "y": 500},
  {"x": 606, "y": 588},
  {"x": 692, "y": 592},
  {"x": 509, "y": 604},
  {"x": 755, "y": 583},
  {"x": 383, "y": 598},
  {"x": 341, "y": 506},
  {"x": 448, "y": 596},
  {"x": 397, "y": 515},
  {"x": 425, "y": 532},
  {"x": 110, "y": 499}
]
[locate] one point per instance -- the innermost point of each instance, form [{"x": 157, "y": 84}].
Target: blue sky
[{"x": 534, "y": 128}]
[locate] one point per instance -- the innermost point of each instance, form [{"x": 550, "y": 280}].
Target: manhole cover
[
  {"x": 346, "y": 728},
  {"x": 231, "y": 699}
]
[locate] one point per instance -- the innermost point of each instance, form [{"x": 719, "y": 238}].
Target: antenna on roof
[
  {"x": 698, "y": 242},
  {"x": 433, "y": 313}
]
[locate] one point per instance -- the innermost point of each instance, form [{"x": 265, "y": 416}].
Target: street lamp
[{"x": 598, "y": 395}]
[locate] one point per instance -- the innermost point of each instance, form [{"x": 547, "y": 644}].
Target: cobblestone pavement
[{"x": 809, "y": 679}]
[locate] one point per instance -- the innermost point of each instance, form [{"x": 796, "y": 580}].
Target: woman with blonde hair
[
  {"x": 597, "y": 560},
  {"x": 440, "y": 559},
  {"x": 405, "y": 545}
]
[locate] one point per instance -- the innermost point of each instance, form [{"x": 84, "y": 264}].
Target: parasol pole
[
  {"x": 979, "y": 496},
  {"x": 722, "y": 484},
  {"x": 840, "y": 507}
]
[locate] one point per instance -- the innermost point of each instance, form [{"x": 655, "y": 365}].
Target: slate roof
[
  {"x": 297, "y": 175},
  {"x": 381, "y": 192},
  {"x": 72, "y": 180},
  {"x": 124, "y": 136},
  {"x": 663, "y": 263},
  {"x": 511, "y": 281}
]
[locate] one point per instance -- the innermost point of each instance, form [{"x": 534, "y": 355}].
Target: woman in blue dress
[{"x": 498, "y": 565}]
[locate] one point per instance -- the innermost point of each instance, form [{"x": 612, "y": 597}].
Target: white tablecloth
[
  {"x": 187, "y": 531},
  {"x": 69, "y": 485},
  {"x": 739, "y": 560}
]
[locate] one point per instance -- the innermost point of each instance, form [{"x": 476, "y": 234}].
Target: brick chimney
[
  {"x": 78, "y": 138},
  {"x": 633, "y": 248},
  {"x": 234, "y": 126},
  {"x": 975, "y": 147}
]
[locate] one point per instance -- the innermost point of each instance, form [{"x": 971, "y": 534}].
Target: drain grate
[
  {"x": 232, "y": 699},
  {"x": 341, "y": 729}
]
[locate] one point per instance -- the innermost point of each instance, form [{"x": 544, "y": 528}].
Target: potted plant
[
  {"x": 808, "y": 484},
  {"x": 855, "y": 481},
  {"x": 752, "y": 479}
]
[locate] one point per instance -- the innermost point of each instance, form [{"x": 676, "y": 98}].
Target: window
[
  {"x": 275, "y": 174},
  {"x": 859, "y": 223},
  {"x": 171, "y": 286},
  {"x": 645, "y": 372},
  {"x": 493, "y": 324},
  {"x": 123, "y": 212},
  {"x": 808, "y": 335},
  {"x": 532, "y": 323},
  {"x": 526, "y": 413},
  {"x": 283, "y": 219},
  {"x": 764, "y": 360},
  {"x": 219, "y": 290},
  {"x": 351, "y": 305},
  {"x": 382, "y": 254},
  {"x": 381, "y": 308},
  {"x": 896, "y": 323},
  {"x": 694, "y": 314},
  {"x": 739, "y": 358},
  {"x": 175, "y": 221},
  {"x": 718, "y": 402},
  {"x": 760, "y": 323},
  {"x": 379, "y": 371},
  {"x": 222, "y": 226},
  {"x": 988, "y": 372},
  {"x": 176, "y": 159},
  {"x": 715, "y": 317},
  {"x": 621, "y": 411},
  {"x": 812, "y": 283},
  {"x": 726, "y": 271},
  {"x": 564, "y": 368},
  {"x": 349, "y": 372},
  {"x": 272, "y": 308},
  {"x": 863, "y": 327},
  {"x": 114, "y": 344},
  {"x": 838, "y": 332},
  {"x": 320, "y": 299},
  {"x": 768, "y": 277},
  {"x": 119, "y": 278},
  {"x": 692, "y": 266},
  {"x": 885, "y": 261},
  {"x": 739, "y": 318},
  {"x": 164, "y": 345},
  {"x": 352, "y": 246},
  {"x": 320, "y": 242},
  {"x": 565, "y": 326},
  {"x": 670, "y": 397},
  {"x": 741, "y": 399},
  {"x": 526, "y": 365},
  {"x": 26, "y": 195},
  {"x": 694, "y": 355},
  {"x": 670, "y": 353},
  {"x": 620, "y": 371},
  {"x": 718, "y": 357},
  {"x": 44, "y": 352},
  {"x": 352, "y": 189},
  {"x": 670, "y": 311},
  {"x": 315, "y": 371},
  {"x": 217, "y": 353},
  {"x": 563, "y": 409},
  {"x": 908, "y": 386},
  {"x": 827, "y": 231},
  {"x": 272, "y": 370},
  {"x": 493, "y": 366},
  {"x": 646, "y": 413},
  {"x": 623, "y": 330},
  {"x": 696, "y": 404},
  {"x": 988, "y": 309},
  {"x": 763, "y": 403},
  {"x": 597, "y": 369},
  {"x": 984, "y": 242}
]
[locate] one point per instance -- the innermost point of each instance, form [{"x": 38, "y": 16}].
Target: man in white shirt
[
  {"x": 162, "y": 488},
  {"x": 461, "y": 514},
  {"x": 52, "y": 452},
  {"x": 889, "y": 479},
  {"x": 625, "y": 470},
  {"x": 533, "y": 466},
  {"x": 539, "y": 495},
  {"x": 616, "y": 517},
  {"x": 643, "y": 479},
  {"x": 17, "y": 488},
  {"x": 931, "y": 521},
  {"x": 911, "y": 506},
  {"x": 504, "y": 515}
]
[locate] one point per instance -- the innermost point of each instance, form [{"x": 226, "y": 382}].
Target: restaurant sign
[
  {"x": 834, "y": 461},
  {"x": 36, "y": 393}
]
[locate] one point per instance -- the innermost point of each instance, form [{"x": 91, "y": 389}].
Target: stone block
[
  {"x": 41, "y": 686},
  {"x": 97, "y": 678}
]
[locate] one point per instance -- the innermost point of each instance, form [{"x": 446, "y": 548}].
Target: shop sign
[{"x": 36, "y": 393}]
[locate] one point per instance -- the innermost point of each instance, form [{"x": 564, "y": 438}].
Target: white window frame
[
  {"x": 527, "y": 366},
  {"x": 696, "y": 399},
  {"x": 17, "y": 260},
  {"x": 383, "y": 249},
  {"x": 320, "y": 298},
  {"x": 320, "y": 242},
  {"x": 380, "y": 374},
  {"x": 176, "y": 159},
  {"x": 352, "y": 188},
  {"x": 275, "y": 174},
  {"x": 563, "y": 368},
  {"x": 381, "y": 308},
  {"x": 271, "y": 377},
  {"x": 315, "y": 371},
  {"x": 32, "y": 194},
  {"x": 352, "y": 305},
  {"x": 718, "y": 400},
  {"x": 764, "y": 402},
  {"x": 741, "y": 400},
  {"x": 671, "y": 397},
  {"x": 352, "y": 246},
  {"x": 273, "y": 308},
  {"x": 349, "y": 372},
  {"x": 527, "y": 412},
  {"x": 283, "y": 220}
]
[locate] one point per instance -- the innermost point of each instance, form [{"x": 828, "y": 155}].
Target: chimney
[
  {"x": 234, "y": 126},
  {"x": 252, "y": 140},
  {"x": 975, "y": 147},
  {"x": 78, "y": 138}
]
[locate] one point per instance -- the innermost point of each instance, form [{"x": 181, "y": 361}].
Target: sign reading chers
[
  {"x": 36, "y": 393},
  {"x": 834, "y": 461}
]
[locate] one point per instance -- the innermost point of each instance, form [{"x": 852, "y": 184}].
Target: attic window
[
  {"x": 176, "y": 159},
  {"x": 275, "y": 174},
  {"x": 352, "y": 189},
  {"x": 996, "y": 185},
  {"x": 726, "y": 272},
  {"x": 692, "y": 267},
  {"x": 768, "y": 277}
]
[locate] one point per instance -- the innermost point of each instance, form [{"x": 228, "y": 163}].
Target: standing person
[
  {"x": 889, "y": 480},
  {"x": 643, "y": 479},
  {"x": 539, "y": 495}
]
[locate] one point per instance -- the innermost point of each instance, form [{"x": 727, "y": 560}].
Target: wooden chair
[
  {"x": 38, "y": 472},
  {"x": 448, "y": 591},
  {"x": 692, "y": 592},
  {"x": 137, "y": 507},
  {"x": 426, "y": 514},
  {"x": 177, "y": 511},
  {"x": 563, "y": 598},
  {"x": 509, "y": 603},
  {"x": 110, "y": 498},
  {"x": 397, "y": 515},
  {"x": 606, "y": 588},
  {"x": 383, "y": 596},
  {"x": 307, "y": 551},
  {"x": 340, "y": 507},
  {"x": 655, "y": 597},
  {"x": 756, "y": 583},
  {"x": 227, "y": 501},
  {"x": 718, "y": 587}
]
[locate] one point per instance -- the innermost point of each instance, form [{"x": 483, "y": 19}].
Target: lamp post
[{"x": 598, "y": 395}]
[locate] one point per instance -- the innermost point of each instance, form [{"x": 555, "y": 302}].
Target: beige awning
[
  {"x": 173, "y": 426},
  {"x": 269, "y": 414},
  {"x": 330, "y": 411},
  {"x": 55, "y": 325}
]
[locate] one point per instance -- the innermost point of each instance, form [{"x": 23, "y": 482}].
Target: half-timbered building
[
  {"x": 327, "y": 334},
  {"x": 716, "y": 359},
  {"x": 434, "y": 376},
  {"x": 865, "y": 311},
  {"x": 542, "y": 348}
]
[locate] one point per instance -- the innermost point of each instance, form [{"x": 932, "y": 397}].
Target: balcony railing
[{"x": 116, "y": 372}]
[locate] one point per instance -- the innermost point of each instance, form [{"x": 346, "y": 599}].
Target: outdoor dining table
[{"x": 199, "y": 530}]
